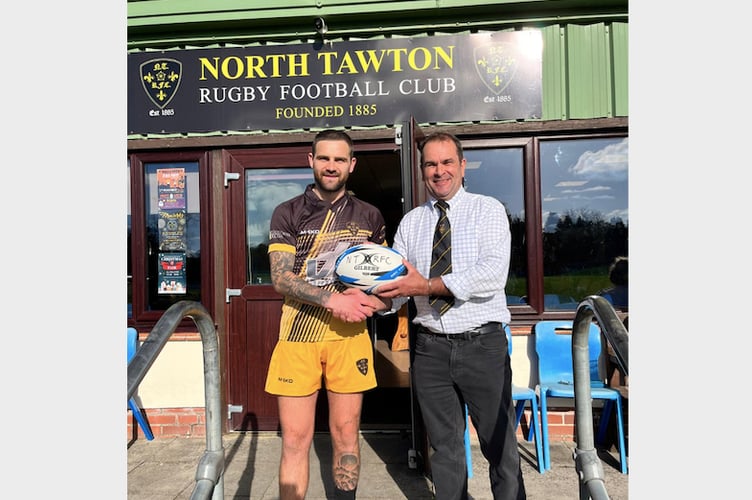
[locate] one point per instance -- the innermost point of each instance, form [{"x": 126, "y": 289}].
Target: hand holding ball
[{"x": 367, "y": 266}]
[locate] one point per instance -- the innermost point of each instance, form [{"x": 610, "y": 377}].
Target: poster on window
[
  {"x": 172, "y": 237},
  {"x": 171, "y": 188},
  {"x": 172, "y": 209},
  {"x": 171, "y": 273}
]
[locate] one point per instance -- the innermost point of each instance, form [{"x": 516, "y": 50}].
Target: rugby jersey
[{"x": 317, "y": 232}]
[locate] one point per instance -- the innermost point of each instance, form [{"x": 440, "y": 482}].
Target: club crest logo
[
  {"x": 161, "y": 79},
  {"x": 362, "y": 365},
  {"x": 496, "y": 65}
]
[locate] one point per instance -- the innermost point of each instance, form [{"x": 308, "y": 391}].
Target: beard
[{"x": 327, "y": 184}]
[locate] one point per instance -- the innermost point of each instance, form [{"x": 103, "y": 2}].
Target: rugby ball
[{"x": 367, "y": 266}]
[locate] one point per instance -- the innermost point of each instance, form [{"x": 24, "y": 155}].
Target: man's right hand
[{"x": 350, "y": 306}]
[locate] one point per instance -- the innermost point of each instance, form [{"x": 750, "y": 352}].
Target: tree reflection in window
[{"x": 585, "y": 218}]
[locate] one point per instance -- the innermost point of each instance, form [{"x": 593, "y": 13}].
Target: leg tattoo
[{"x": 346, "y": 472}]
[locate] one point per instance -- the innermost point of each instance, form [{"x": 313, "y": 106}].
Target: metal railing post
[
  {"x": 587, "y": 463},
  {"x": 210, "y": 470}
]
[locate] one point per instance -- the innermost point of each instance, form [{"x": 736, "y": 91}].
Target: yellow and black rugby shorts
[{"x": 297, "y": 368}]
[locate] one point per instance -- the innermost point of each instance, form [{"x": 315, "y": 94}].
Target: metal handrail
[
  {"x": 209, "y": 473},
  {"x": 588, "y": 465}
]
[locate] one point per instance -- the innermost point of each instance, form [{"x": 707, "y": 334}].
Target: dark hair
[
  {"x": 332, "y": 135},
  {"x": 439, "y": 137},
  {"x": 618, "y": 273}
]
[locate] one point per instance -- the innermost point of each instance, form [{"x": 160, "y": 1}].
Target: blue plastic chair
[
  {"x": 132, "y": 346},
  {"x": 519, "y": 395},
  {"x": 553, "y": 344},
  {"x": 468, "y": 450}
]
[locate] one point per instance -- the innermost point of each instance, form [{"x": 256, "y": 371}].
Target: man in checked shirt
[{"x": 461, "y": 354}]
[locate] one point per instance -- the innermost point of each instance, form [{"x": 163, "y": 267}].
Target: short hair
[
  {"x": 439, "y": 137},
  {"x": 332, "y": 135},
  {"x": 618, "y": 273}
]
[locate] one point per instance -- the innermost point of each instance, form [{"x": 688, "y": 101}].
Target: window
[
  {"x": 584, "y": 216},
  {"x": 165, "y": 231},
  {"x": 173, "y": 233},
  {"x": 264, "y": 190},
  {"x": 499, "y": 173}
]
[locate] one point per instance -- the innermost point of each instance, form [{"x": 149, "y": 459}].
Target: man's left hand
[{"x": 410, "y": 285}]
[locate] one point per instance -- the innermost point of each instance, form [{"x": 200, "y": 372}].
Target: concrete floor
[{"x": 165, "y": 469}]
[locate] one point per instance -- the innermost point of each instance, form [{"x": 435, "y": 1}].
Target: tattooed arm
[
  {"x": 352, "y": 306},
  {"x": 288, "y": 283}
]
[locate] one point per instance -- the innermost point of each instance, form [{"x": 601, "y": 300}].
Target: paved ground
[{"x": 165, "y": 469}]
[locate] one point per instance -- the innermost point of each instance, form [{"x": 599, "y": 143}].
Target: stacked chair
[{"x": 553, "y": 345}]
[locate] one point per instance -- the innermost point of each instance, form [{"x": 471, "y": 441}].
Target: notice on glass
[
  {"x": 172, "y": 236},
  {"x": 171, "y": 188},
  {"x": 171, "y": 273},
  {"x": 172, "y": 209}
]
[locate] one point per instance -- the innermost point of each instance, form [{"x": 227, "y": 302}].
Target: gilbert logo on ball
[{"x": 367, "y": 266}]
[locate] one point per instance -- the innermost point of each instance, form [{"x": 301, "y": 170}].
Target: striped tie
[{"x": 441, "y": 257}]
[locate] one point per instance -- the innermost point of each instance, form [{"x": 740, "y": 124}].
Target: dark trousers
[{"x": 449, "y": 373}]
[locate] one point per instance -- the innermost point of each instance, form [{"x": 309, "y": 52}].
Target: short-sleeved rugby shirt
[{"x": 317, "y": 232}]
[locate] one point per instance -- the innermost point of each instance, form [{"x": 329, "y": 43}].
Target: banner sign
[{"x": 484, "y": 76}]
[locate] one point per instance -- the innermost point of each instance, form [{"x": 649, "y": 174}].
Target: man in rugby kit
[{"x": 323, "y": 329}]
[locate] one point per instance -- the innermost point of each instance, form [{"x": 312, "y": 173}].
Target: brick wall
[
  {"x": 169, "y": 422},
  {"x": 560, "y": 425},
  {"x": 191, "y": 422}
]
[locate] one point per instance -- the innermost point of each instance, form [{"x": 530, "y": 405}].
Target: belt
[{"x": 490, "y": 327}]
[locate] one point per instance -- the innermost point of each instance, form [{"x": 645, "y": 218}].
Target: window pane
[
  {"x": 585, "y": 217},
  {"x": 499, "y": 173},
  {"x": 264, "y": 190},
  {"x": 173, "y": 233}
]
